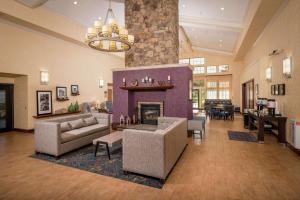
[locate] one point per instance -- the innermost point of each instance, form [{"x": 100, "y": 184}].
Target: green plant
[
  {"x": 71, "y": 108},
  {"x": 76, "y": 106}
]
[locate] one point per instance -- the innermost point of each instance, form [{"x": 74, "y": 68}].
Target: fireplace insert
[{"x": 150, "y": 113}]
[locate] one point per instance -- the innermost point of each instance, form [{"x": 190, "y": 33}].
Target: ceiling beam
[
  {"x": 184, "y": 40},
  {"x": 212, "y": 51},
  {"x": 263, "y": 15},
  {"x": 209, "y": 23}
]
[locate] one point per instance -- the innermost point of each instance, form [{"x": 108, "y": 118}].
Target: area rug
[
  {"x": 241, "y": 136},
  {"x": 84, "y": 159}
]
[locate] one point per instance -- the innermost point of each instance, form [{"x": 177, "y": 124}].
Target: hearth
[{"x": 149, "y": 112}]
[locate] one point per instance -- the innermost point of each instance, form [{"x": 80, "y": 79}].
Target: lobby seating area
[{"x": 145, "y": 99}]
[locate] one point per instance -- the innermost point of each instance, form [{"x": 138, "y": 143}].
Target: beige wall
[
  {"x": 24, "y": 51},
  {"x": 6, "y": 80},
  {"x": 281, "y": 33},
  {"x": 219, "y": 59}
]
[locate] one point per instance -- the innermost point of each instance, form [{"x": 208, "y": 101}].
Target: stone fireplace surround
[{"x": 176, "y": 101}]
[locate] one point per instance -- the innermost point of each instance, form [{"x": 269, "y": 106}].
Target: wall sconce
[
  {"x": 101, "y": 83},
  {"x": 44, "y": 76},
  {"x": 287, "y": 67},
  {"x": 269, "y": 73}
]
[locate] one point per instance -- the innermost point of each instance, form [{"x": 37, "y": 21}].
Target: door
[
  {"x": 248, "y": 95},
  {"x": 6, "y": 107}
]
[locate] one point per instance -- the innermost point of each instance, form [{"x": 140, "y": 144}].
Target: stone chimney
[{"x": 155, "y": 25}]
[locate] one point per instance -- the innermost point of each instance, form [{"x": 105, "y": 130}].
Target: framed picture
[
  {"x": 74, "y": 90},
  {"x": 190, "y": 90},
  {"x": 61, "y": 93},
  {"x": 44, "y": 102},
  {"x": 276, "y": 91},
  {"x": 272, "y": 89},
  {"x": 281, "y": 89}
]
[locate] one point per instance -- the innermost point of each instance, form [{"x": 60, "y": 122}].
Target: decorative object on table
[
  {"x": 190, "y": 90},
  {"x": 134, "y": 83},
  {"x": 143, "y": 80},
  {"x": 161, "y": 83},
  {"x": 128, "y": 120},
  {"x": 124, "y": 82},
  {"x": 169, "y": 79},
  {"x": 122, "y": 120},
  {"x": 61, "y": 94},
  {"x": 74, "y": 90},
  {"x": 109, "y": 36},
  {"x": 281, "y": 89},
  {"x": 271, "y": 107},
  {"x": 44, "y": 102},
  {"x": 287, "y": 67},
  {"x": 73, "y": 107}
]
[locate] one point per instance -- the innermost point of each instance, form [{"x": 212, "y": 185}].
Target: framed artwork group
[{"x": 44, "y": 98}]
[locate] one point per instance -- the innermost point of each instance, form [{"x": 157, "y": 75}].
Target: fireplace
[{"x": 149, "y": 112}]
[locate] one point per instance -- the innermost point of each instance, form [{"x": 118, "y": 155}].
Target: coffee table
[{"x": 109, "y": 140}]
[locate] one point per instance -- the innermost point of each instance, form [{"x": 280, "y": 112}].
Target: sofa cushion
[
  {"x": 81, "y": 132},
  {"x": 90, "y": 121},
  {"x": 65, "y": 126},
  {"x": 78, "y": 123}
]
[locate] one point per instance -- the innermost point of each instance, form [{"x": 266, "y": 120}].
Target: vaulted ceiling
[{"x": 213, "y": 25}]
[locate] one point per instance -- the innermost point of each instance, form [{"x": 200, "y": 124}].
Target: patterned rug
[
  {"x": 84, "y": 159},
  {"x": 241, "y": 136}
]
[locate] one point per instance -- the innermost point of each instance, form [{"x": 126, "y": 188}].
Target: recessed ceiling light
[
  {"x": 221, "y": 40},
  {"x": 183, "y": 5},
  {"x": 75, "y": 2},
  {"x": 222, "y": 8}
]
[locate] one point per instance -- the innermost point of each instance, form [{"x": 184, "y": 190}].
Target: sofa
[
  {"x": 64, "y": 134},
  {"x": 154, "y": 153}
]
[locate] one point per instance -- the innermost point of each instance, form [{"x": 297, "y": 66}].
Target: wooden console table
[
  {"x": 56, "y": 115},
  {"x": 278, "y": 124}
]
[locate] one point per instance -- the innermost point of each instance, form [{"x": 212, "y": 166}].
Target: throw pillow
[
  {"x": 79, "y": 123},
  {"x": 64, "y": 126},
  {"x": 90, "y": 121}
]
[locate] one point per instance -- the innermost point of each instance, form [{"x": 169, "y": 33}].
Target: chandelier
[{"x": 109, "y": 36}]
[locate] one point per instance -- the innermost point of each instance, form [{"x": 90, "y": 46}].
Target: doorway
[
  {"x": 6, "y": 107},
  {"x": 248, "y": 95}
]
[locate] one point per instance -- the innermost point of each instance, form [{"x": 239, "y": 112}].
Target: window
[
  {"x": 199, "y": 70},
  {"x": 184, "y": 61},
  {"x": 211, "y": 69},
  {"x": 198, "y": 83},
  {"x": 212, "y": 93},
  {"x": 224, "y": 84},
  {"x": 197, "y": 61},
  {"x": 223, "y": 68},
  {"x": 212, "y": 84},
  {"x": 224, "y": 94}
]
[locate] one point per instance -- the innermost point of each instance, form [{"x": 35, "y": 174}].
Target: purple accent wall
[{"x": 176, "y": 100}]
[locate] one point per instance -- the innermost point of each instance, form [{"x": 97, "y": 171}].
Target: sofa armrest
[
  {"x": 102, "y": 118},
  {"x": 47, "y": 137},
  {"x": 143, "y": 152}
]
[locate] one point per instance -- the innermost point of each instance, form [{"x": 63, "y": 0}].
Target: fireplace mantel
[{"x": 147, "y": 88}]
